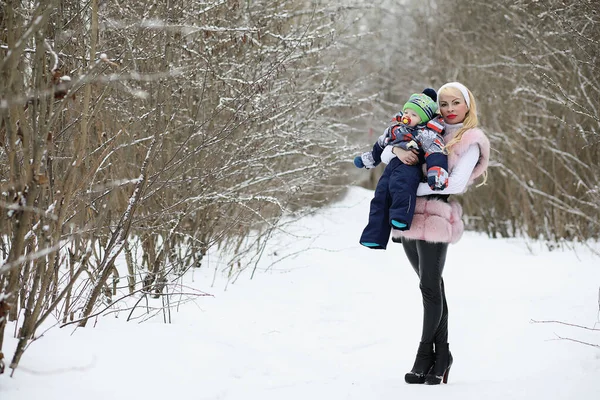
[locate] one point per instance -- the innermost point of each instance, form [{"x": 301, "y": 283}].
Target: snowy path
[{"x": 342, "y": 322}]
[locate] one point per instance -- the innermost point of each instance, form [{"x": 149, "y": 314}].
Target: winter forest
[{"x": 159, "y": 130}]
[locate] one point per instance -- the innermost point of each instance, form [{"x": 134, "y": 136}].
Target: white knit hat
[{"x": 457, "y": 85}]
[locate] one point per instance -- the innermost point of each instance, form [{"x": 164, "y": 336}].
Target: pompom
[{"x": 431, "y": 93}]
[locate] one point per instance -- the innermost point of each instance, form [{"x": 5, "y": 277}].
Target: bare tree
[{"x": 159, "y": 131}]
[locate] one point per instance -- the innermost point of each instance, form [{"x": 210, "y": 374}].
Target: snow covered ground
[{"x": 339, "y": 321}]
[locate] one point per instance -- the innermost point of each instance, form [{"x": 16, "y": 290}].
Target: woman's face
[{"x": 452, "y": 106}]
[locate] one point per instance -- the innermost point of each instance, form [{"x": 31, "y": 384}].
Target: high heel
[
  {"x": 445, "y": 379},
  {"x": 441, "y": 369},
  {"x": 423, "y": 364}
]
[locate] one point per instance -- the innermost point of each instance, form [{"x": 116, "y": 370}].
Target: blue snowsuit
[{"x": 396, "y": 192}]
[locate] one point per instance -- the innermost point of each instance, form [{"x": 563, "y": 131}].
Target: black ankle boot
[
  {"x": 423, "y": 363},
  {"x": 441, "y": 369}
]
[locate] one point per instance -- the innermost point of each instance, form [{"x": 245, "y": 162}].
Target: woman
[{"x": 437, "y": 222}]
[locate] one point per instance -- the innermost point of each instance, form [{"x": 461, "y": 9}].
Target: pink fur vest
[{"x": 436, "y": 220}]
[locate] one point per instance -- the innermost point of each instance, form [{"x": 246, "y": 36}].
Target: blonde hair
[{"x": 471, "y": 121}]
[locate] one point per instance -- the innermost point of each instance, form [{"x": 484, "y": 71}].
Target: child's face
[
  {"x": 452, "y": 106},
  {"x": 414, "y": 117}
]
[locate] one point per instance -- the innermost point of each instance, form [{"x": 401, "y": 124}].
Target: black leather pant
[{"x": 428, "y": 259}]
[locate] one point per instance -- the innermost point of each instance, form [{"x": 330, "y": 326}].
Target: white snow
[{"x": 339, "y": 321}]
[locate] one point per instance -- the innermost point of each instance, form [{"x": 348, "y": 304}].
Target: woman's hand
[{"x": 408, "y": 157}]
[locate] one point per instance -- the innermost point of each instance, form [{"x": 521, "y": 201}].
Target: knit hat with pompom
[{"x": 423, "y": 105}]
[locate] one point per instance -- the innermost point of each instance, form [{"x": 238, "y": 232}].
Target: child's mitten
[
  {"x": 365, "y": 160},
  {"x": 437, "y": 178}
]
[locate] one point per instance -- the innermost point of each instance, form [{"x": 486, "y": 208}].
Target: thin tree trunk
[{"x": 116, "y": 243}]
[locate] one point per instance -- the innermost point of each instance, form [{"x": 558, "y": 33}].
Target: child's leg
[
  {"x": 403, "y": 183},
  {"x": 377, "y": 232}
]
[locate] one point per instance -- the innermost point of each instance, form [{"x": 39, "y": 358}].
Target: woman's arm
[
  {"x": 408, "y": 157},
  {"x": 459, "y": 176},
  {"x": 387, "y": 155}
]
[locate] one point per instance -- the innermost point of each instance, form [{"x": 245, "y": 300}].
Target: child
[{"x": 393, "y": 204}]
